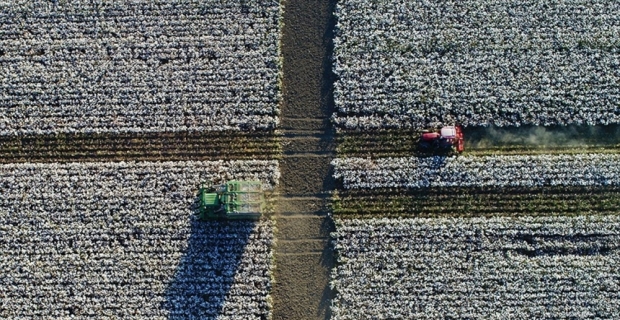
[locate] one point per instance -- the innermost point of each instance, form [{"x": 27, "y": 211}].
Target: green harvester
[{"x": 233, "y": 200}]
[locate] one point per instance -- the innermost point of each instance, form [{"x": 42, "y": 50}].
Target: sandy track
[{"x": 304, "y": 256}]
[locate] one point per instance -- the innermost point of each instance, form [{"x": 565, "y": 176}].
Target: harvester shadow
[{"x": 205, "y": 273}]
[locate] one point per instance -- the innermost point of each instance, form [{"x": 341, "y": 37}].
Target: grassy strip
[
  {"x": 232, "y": 145},
  {"x": 476, "y": 202}
]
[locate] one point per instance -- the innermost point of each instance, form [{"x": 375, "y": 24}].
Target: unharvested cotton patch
[
  {"x": 413, "y": 64},
  {"x": 525, "y": 268},
  {"x": 484, "y": 171},
  {"x": 138, "y": 66},
  {"x": 120, "y": 240}
]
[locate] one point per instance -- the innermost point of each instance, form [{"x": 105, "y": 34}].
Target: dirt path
[{"x": 303, "y": 252}]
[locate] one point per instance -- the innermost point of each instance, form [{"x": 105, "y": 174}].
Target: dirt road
[{"x": 303, "y": 252}]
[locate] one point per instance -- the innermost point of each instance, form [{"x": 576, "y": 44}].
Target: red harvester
[{"x": 447, "y": 140}]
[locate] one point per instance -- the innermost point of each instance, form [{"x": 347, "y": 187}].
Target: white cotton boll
[
  {"x": 101, "y": 234},
  {"x": 479, "y": 267},
  {"x": 480, "y": 171},
  {"x": 178, "y": 75},
  {"x": 414, "y": 64}
]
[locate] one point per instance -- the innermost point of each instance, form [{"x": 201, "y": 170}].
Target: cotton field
[
  {"x": 413, "y": 64},
  {"x": 138, "y": 66},
  {"x": 121, "y": 240},
  {"x": 525, "y": 268},
  {"x": 480, "y": 171}
]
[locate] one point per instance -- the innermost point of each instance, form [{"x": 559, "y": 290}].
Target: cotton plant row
[
  {"x": 121, "y": 240},
  {"x": 413, "y": 64},
  {"x": 523, "y": 268},
  {"x": 138, "y": 66},
  {"x": 479, "y": 171}
]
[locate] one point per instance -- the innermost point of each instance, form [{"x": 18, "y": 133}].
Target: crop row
[
  {"x": 411, "y": 64},
  {"x": 476, "y": 202},
  {"x": 469, "y": 171},
  {"x": 522, "y": 268},
  {"x": 138, "y": 66},
  {"x": 198, "y": 145},
  {"x": 121, "y": 240}
]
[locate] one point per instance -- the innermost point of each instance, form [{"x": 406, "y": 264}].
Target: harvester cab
[
  {"x": 233, "y": 200},
  {"x": 447, "y": 140}
]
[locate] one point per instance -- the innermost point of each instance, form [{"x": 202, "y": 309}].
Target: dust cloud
[{"x": 541, "y": 137}]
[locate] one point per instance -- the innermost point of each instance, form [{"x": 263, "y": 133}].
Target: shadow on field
[
  {"x": 328, "y": 262},
  {"x": 206, "y": 271},
  {"x": 328, "y": 108}
]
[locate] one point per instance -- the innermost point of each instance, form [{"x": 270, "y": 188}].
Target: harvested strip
[
  {"x": 522, "y": 268},
  {"x": 486, "y": 140},
  {"x": 121, "y": 239},
  {"x": 477, "y": 202},
  {"x": 206, "y": 145},
  {"x": 470, "y": 171}
]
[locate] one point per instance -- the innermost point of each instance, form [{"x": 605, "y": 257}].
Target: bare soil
[
  {"x": 310, "y": 227},
  {"x": 313, "y": 142},
  {"x": 297, "y": 294},
  {"x": 304, "y": 255},
  {"x": 303, "y": 205},
  {"x": 305, "y": 175},
  {"x": 306, "y": 124},
  {"x": 306, "y": 51}
]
